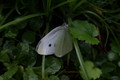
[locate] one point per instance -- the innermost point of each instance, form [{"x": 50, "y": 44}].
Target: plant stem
[
  {"x": 19, "y": 20},
  {"x": 78, "y": 4},
  {"x": 62, "y": 3},
  {"x": 79, "y": 55},
  {"x": 43, "y": 67},
  {"x": 8, "y": 14}
]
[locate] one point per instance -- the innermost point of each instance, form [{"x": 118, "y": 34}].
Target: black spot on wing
[{"x": 50, "y": 45}]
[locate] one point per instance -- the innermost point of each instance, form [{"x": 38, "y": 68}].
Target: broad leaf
[
  {"x": 10, "y": 34},
  {"x": 115, "y": 46},
  {"x": 52, "y": 65},
  {"x": 4, "y": 56},
  {"x": 53, "y": 78},
  {"x": 93, "y": 73},
  {"x": 30, "y": 75},
  {"x": 8, "y": 75},
  {"x": 64, "y": 77},
  {"x": 83, "y": 30},
  {"x": 28, "y": 37}
]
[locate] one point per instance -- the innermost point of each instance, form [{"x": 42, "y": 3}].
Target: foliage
[
  {"x": 93, "y": 73},
  {"x": 94, "y": 23},
  {"x": 85, "y": 31}
]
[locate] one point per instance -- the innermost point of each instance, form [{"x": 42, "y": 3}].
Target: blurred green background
[{"x": 24, "y": 22}]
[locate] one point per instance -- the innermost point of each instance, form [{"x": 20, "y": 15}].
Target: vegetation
[{"x": 93, "y": 24}]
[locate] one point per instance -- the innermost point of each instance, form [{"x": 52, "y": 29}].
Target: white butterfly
[{"x": 58, "y": 42}]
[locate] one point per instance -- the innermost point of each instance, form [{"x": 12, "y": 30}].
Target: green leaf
[
  {"x": 22, "y": 24},
  {"x": 24, "y": 47},
  {"x": 93, "y": 73},
  {"x": 11, "y": 34},
  {"x": 64, "y": 77},
  {"x": 96, "y": 72},
  {"x": 83, "y": 30},
  {"x": 28, "y": 37},
  {"x": 4, "y": 56},
  {"x": 119, "y": 63},
  {"x": 38, "y": 71},
  {"x": 115, "y": 46},
  {"x": 8, "y": 75},
  {"x": 52, "y": 65},
  {"x": 10, "y": 46},
  {"x": 108, "y": 67},
  {"x": 30, "y": 75},
  {"x": 112, "y": 56},
  {"x": 1, "y": 78},
  {"x": 26, "y": 56},
  {"x": 53, "y": 78},
  {"x": 36, "y": 23},
  {"x": 19, "y": 73},
  {"x": 114, "y": 78}
]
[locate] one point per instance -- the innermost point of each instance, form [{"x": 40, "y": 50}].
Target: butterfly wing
[
  {"x": 47, "y": 45},
  {"x": 67, "y": 43},
  {"x": 64, "y": 43}
]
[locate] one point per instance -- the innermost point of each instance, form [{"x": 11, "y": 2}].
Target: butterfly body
[{"x": 58, "y": 42}]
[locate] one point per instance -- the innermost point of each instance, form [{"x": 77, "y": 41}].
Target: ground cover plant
[{"x": 93, "y": 24}]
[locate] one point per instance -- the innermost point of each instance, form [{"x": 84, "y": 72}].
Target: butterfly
[{"x": 58, "y": 41}]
